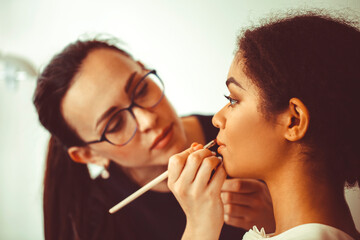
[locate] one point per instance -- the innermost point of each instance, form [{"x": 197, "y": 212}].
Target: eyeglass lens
[{"x": 147, "y": 94}]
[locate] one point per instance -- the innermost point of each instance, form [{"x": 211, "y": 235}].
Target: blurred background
[{"x": 190, "y": 43}]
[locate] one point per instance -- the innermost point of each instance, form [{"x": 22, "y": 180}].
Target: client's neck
[{"x": 299, "y": 197}]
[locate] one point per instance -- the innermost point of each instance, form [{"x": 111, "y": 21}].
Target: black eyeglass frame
[{"x": 129, "y": 108}]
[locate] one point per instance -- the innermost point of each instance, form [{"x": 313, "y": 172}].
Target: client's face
[
  {"x": 104, "y": 84},
  {"x": 250, "y": 145}
]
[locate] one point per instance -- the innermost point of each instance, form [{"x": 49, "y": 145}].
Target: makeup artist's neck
[
  {"x": 143, "y": 175},
  {"x": 299, "y": 199}
]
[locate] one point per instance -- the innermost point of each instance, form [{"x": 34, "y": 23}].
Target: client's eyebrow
[
  {"x": 232, "y": 80},
  {"x": 113, "y": 108}
]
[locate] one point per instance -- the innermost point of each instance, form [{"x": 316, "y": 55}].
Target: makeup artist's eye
[
  {"x": 141, "y": 90},
  {"x": 231, "y": 100},
  {"x": 117, "y": 122}
]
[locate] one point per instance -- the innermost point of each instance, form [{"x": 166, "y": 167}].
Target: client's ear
[
  {"x": 87, "y": 155},
  {"x": 297, "y": 120}
]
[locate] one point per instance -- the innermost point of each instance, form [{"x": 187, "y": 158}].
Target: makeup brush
[{"x": 148, "y": 186}]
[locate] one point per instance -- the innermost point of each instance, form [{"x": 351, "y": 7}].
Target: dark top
[{"x": 154, "y": 215}]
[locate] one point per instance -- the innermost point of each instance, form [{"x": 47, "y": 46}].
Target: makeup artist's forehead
[
  {"x": 106, "y": 62},
  {"x": 99, "y": 84}
]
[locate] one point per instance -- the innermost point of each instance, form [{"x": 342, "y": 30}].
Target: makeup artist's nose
[
  {"x": 145, "y": 118},
  {"x": 219, "y": 119}
]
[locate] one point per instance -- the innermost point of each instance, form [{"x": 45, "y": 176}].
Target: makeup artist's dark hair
[
  {"x": 315, "y": 58},
  {"x": 66, "y": 183}
]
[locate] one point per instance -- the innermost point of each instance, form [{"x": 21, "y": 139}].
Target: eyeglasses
[{"x": 122, "y": 126}]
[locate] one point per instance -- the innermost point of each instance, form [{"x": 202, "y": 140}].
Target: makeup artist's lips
[
  {"x": 221, "y": 145},
  {"x": 163, "y": 138}
]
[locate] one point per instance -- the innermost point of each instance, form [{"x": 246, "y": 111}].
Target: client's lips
[
  {"x": 221, "y": 145},
  {"x": 163, "y": 138},
  {"x": 219, "y": 142}
]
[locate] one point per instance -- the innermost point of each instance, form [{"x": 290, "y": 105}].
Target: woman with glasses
[
  {"x": 291, "y": 121},
  {"x": 103, "y": 107}
]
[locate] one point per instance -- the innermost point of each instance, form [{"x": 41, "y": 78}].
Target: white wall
[{"x": 189, "y": 42}]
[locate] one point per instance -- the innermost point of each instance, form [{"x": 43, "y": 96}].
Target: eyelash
[{"x": 231, "y": 100}]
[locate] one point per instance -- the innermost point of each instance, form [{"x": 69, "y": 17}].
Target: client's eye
[{"x": 231, "y": 100}]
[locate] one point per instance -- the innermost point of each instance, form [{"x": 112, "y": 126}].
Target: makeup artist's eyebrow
[
  {"x": 232, "y": 80},
  {"x": 105, "y": 115},
  {"x": 129, "y": 81},
  {"x": 113, "y": 108}
]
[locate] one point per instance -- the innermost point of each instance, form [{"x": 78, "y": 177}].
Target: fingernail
[
  {"x": 194, "y": 144},
  {"x": 213, "y": 153},
  {"x": 198, "y": 147}
]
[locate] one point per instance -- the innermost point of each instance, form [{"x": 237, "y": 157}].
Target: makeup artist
[{"x": 103, "y": 107}]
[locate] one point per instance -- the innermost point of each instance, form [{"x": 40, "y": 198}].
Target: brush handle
[
  {"x": 139, "y": 192},
  {"x": 148, "y": 186}
]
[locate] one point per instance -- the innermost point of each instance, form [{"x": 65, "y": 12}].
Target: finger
[
  {"x": 237, "y": 210},
  {"x": 246, "y": 199},
  {"x": 218, "y": 178},
  {"x": 207, "y": 167},
  {"x": 176, "y": 165},
  {"x": 238, "y": 222},
  {"x": 242, "y": 185},
  {"x": 197, "y": 146},
  {"x": 192, "y": 165}
]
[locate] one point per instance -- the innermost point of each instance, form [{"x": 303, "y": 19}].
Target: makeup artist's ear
[
  {"x": 87, "y": 155},
  {"x": 297, "y": 120}
]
